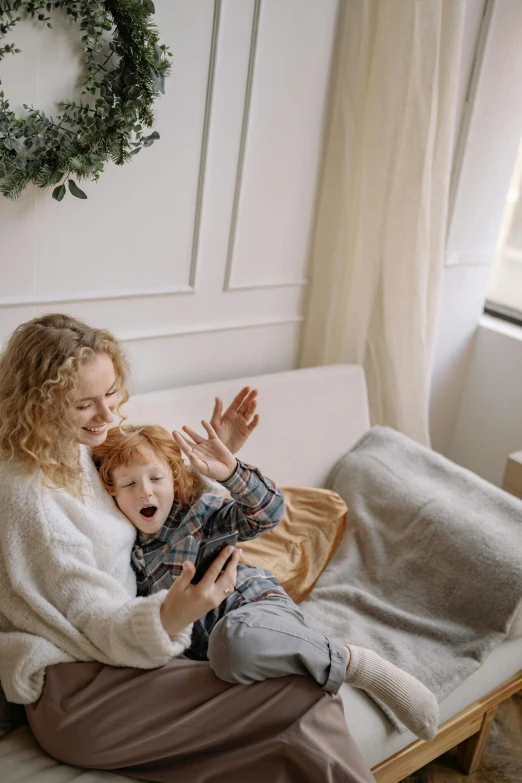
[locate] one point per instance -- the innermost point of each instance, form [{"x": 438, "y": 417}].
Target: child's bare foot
[{"x": 407, "y": 698}]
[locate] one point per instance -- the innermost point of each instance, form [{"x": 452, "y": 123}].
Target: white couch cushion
[{"x": 23, "y": 761}]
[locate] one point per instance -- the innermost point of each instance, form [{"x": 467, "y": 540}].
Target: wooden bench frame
[{"x": 468, "y": 730}]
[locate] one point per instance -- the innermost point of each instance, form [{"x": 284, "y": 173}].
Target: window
[{"x": 504, "y": 298}]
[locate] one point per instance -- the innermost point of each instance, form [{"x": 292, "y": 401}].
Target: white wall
[
  {"x": 489, "y": 422},
  {"x": 463, "y": 281},
  {"x": 195, "y": 254},
  {"x": 475, "y": 410}
]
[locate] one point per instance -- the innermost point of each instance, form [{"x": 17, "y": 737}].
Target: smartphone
[{"x": 209, "y": 549}]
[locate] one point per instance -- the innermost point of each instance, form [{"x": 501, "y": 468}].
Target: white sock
[{"x": 406, "y": 697}]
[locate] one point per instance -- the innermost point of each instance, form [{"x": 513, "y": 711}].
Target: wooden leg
[{"x": 469, "y": 752}]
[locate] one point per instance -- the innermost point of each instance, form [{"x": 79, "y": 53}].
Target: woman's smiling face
[
  {"x": 95, "y": 400},
  {"x": 145, "y": 493}
]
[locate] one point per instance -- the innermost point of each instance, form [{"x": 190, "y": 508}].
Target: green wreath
[{"x": 126, "y": 70}]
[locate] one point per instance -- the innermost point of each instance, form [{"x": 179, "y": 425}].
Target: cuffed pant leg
[{"x": 270, "y": 638}]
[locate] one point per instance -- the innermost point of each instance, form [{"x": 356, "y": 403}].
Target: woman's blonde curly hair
[{"x": 39, "y": 375}]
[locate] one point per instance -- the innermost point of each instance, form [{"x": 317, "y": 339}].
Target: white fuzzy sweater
[{"x": 67, "y": 589}]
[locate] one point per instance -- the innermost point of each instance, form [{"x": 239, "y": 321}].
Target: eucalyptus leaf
[
  {"x": 59, "y": 192},
  {"x": 55, "y": 178},
  {"x": 75, "y": 190}
]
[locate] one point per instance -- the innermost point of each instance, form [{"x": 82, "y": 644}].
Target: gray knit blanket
[{"x": 429, "y": 573}]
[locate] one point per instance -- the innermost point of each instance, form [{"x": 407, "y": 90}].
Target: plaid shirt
[{"x": 256, "y": 506}]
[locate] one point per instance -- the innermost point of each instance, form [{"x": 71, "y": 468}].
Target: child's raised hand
[
  {"x": 208, "y": 455},
  {"x": 236, "y": 424}
]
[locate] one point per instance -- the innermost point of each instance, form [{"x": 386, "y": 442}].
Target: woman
[{"x": 95, "y": 666}]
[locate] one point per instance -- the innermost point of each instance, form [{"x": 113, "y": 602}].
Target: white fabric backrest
[{"x": 309, "y": 418}]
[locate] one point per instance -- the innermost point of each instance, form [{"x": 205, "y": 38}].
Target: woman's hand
[
  {"x": 186, "y": 602},
  {"x": 237, "y": 423},
  {"x": 208, "y": 455}
]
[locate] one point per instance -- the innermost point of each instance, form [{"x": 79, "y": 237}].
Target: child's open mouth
[{"x": 148, "y": 511}]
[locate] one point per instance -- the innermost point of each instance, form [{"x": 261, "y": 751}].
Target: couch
[{"x": 309, "y": 419}]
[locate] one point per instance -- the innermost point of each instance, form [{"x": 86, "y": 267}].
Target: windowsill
[{"x": 501, "y": 327}]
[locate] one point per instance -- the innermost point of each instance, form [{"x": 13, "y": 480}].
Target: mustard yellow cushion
[{"x": 298, "y": 550}]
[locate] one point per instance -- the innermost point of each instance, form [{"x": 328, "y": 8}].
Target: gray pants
[{"x": 270, "y": 638}]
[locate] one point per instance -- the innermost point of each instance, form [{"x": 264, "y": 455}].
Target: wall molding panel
[
  {"x": 207, "y": 328},
  {"x": 204, "y": 145},
  {"x": 95, "y": 296},
  {"x": 281, "y": 144},
  {"x": 228, "y": 285},
  {"x": 261, "y": 286}
]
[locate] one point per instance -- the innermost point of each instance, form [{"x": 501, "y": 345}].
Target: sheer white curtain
[{"x": 377, "y": 253}]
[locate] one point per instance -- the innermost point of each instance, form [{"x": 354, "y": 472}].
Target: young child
[{"x": 258, "y": 631}]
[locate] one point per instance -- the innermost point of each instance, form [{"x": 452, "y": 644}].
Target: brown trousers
[{"x": 181, "y": 724}]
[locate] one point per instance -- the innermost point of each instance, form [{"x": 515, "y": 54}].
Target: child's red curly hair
[{"x": 124, "y": 446}]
